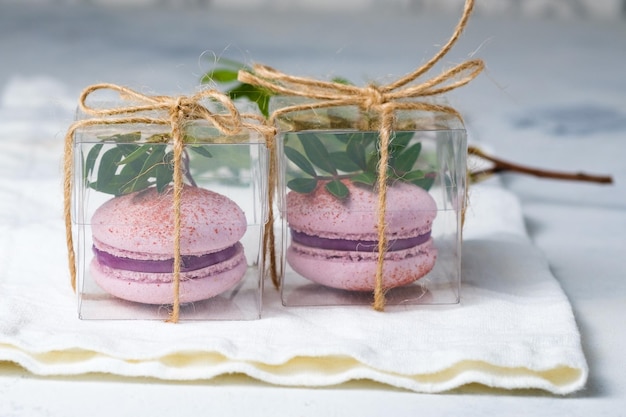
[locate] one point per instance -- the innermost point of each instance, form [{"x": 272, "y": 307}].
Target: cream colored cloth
[{"x": 513, "y": 329}]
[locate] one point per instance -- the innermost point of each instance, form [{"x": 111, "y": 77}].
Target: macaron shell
[
  {"x": 158, "y": 288},
  {"x": 410, "y": 212},
  {"x": 143, "y": 222},
  {"x": 356, "y": 271}
]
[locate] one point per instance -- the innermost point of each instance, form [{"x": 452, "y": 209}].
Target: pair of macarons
[{"x": 333, "y": 242}]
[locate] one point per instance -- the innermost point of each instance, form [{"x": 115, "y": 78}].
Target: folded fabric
[{"x": 513, "y": 329}]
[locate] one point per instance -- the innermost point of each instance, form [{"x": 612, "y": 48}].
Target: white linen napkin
[{"x": 513, "y": 329}]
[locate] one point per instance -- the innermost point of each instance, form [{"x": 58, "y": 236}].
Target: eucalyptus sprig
[
  {"x": 133, "y": 165},
  {"x": 355, "y": 158}
]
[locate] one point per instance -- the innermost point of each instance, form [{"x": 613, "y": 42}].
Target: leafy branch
[{"x": 356, "y": 160}]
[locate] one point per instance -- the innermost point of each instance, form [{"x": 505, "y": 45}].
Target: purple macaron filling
[
  {"x": 356, "y": 245},
  {"x": 188, "y": 262}
]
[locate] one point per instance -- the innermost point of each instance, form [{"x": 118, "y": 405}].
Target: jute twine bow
[
  {"x": 382, "y": 100},
  {"x": 172, "y": 111}
]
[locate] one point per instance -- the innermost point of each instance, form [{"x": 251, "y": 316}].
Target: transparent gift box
[
  {"x": 329, "y": 206},
  {"x": 124, "y": 222}
]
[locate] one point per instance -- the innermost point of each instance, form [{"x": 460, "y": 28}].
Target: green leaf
[
  {"x": 147, "y": 170},
  {"x": 258, "y": 95},
  {"x": 342, "y": 161},
  {"x": 413, "y": 175},
  {"x": 127, "y": 148},
  {"x": 340, "y": 137},
  {"x": 112, "y": 186},
  {"x": 356, "y": 152},
  {"x": 405, "y": 160},
  {"x": 136, "y": 154},
  {"x": 226, "y": 72},
  {"x": 221, "y": 75},
  {"x": 133, "y": 169},
  {"x": 137, "y": 184},
  {"x": 337, "y": 188},
  {"x": 302, "y": 185},
  {"x": 248, "y": 91},
  {"x": 108, "y": 168},
  {"x": 157, "y": 156},
  {"x": 372, "y": 162},
  {"x": 400, "y": 141},
  {"x": 201, "y": 150},
  {"x": 164, "y": 172},
  {"x": 317, "y": 153},
  {"x": 367, "y": 178},
  {"x": 425, "y": 182},
  {"x": 90, "y": 161},
  {"x": 341, "y": 80},
  {"x": 300, "y": 161}
]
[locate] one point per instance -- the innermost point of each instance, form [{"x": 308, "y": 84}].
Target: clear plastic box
[
  {"x": 328, "y": 207},
  {"x": 123, "y": 217}
]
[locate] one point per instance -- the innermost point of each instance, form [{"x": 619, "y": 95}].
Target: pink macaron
[
  {"x": 133, "y": 237},
  {"x": 335, "y": 242}
]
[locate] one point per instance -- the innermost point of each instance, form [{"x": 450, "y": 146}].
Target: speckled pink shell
[
  {"x": 143, "y": 222},
  {"x": 410, "y": 212}
]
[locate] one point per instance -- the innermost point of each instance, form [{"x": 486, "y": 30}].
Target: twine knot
[
  {"x": 183, "y": 105},
  {"x": 373, "y": 97}
]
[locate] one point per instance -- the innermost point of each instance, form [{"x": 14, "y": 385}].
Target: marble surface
[{"x": 552, "y": 96}]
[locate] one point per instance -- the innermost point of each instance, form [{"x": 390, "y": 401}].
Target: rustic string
[
  {"x": 383, "y": 100},
  {"x": 178, "y": 110},
  {"x": 269, "y": 243}
]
